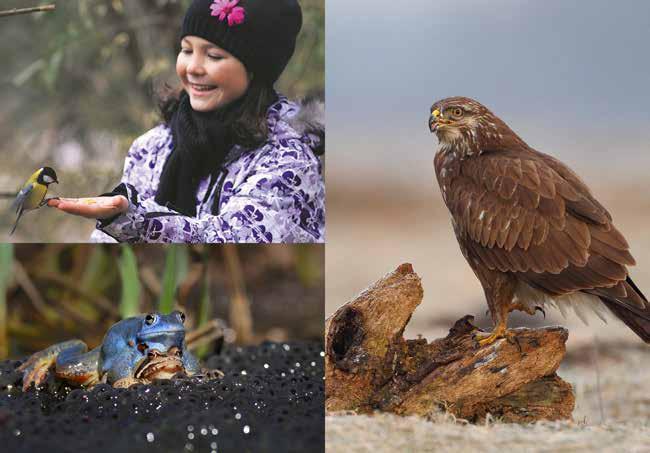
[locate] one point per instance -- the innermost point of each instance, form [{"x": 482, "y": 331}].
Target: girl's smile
[
  {"x": 201, "y": 88},
  {"x": 212, "y": 77}
]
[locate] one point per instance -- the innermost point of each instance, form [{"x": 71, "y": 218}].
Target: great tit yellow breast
[{"x": 35, "y": 197}]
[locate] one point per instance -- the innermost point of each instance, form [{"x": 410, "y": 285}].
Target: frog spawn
[{"x": 271, "y": 398}]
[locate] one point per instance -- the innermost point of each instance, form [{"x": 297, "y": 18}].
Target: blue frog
[{"x": 134, "y": 350}]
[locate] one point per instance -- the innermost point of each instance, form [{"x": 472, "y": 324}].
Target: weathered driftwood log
[{"x": 369, "y": 365}]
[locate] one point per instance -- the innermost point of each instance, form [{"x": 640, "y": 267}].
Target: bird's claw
[
  {"x": 46, "y": 200},
  {"x": 537, "y": 307},
  {"x": 496, "y": 334},
  {"x": 499, "y": 332}
]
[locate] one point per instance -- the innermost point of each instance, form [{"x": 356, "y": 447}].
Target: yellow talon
[{"x": 497, "y": 333}]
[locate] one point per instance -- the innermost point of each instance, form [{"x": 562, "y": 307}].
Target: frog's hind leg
[
  {"x": 78, "y": 367},
  {"x": 36, "y": 368}
]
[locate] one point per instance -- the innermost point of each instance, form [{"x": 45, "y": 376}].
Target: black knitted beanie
[{"x": 260, "y": 33}]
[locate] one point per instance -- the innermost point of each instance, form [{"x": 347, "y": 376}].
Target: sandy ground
[
  {"x": 389, "y": 433},
  {"x": 612, "y": 414},
  {"x": 371, "y": 233}
]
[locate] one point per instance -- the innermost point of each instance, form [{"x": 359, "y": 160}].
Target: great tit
[{"x": 32, "y": 194}]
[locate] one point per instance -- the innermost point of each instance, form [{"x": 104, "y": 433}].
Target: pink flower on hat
[{"x": 228, "y": 9}]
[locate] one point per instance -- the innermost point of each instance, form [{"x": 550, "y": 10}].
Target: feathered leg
[{"x": 499, "y": 294}]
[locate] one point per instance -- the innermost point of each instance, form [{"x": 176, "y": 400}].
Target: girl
[{"x": 234, "y": 161}]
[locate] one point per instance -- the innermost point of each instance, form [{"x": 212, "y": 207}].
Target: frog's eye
[
  {"x": 149, "y": 319},
  {"x": 182, "y": 316},
  {"x": 142, "y": 347}
]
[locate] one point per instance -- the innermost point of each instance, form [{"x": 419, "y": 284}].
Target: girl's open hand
[{"x": 92, "y": 208}]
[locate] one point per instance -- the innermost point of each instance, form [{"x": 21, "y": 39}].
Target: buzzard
[{"x": 529, "y": 227}]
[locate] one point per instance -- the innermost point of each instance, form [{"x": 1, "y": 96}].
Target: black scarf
[{"x": 202, "y": 141}]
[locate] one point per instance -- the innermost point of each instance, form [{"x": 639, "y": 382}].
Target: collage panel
[
  {"x": 487, "y": 259},
  {"x": 479, "y": 281},
  {"x": 173, "y": 121},
  {"x": 161, "y": 348}
]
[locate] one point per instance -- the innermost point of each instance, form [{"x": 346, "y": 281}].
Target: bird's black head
[{"x": 47, "y": 176}]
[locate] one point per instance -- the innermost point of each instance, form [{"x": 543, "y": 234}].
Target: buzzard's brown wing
[{"x": 529, "y": 214}]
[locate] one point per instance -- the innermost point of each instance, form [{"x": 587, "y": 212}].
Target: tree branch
[{"x": 36, "y": 9}]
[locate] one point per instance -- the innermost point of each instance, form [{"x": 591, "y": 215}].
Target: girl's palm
[{"x": 92, "y": 208}]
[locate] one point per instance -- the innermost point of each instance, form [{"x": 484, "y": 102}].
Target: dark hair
[{"x": 249, "y": 126}]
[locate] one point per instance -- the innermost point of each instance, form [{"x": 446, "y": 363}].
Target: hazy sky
[{"x": 571, "y": 77}]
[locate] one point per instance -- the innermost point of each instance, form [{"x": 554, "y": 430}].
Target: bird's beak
[{"x": 433, "y": 120}]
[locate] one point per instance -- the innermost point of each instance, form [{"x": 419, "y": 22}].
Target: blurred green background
[
  {"x": 55, "y": 292},
  {"x": 79, "y": 84}
]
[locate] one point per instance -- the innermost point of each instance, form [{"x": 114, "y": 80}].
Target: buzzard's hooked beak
[{"x": 433, "y": 120}]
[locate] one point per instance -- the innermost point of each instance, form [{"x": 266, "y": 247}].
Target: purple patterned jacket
[{"x": 271, "y": 194}]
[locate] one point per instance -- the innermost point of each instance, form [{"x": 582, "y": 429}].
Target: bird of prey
[{"x": 529, "y": 227}]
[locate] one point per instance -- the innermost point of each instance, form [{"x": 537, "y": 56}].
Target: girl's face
[{"x": 211, "y": 76}]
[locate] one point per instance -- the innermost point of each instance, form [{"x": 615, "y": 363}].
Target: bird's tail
[
  {"x": 635, "y": 318},
  {"x": 20, "y": 214}
]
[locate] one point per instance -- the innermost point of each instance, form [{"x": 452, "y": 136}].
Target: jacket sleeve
[
  {"x": 137, "y": 152},
  {"x": 280, "y": 200}
]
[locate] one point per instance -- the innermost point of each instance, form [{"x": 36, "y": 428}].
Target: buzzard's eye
[{"x": 457, "y": 112}]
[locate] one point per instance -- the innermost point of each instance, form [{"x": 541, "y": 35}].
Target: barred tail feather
[{"x": 635, "y": 318}]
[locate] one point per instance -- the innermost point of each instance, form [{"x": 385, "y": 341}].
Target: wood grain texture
[{"x": 370, "y": 366}]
